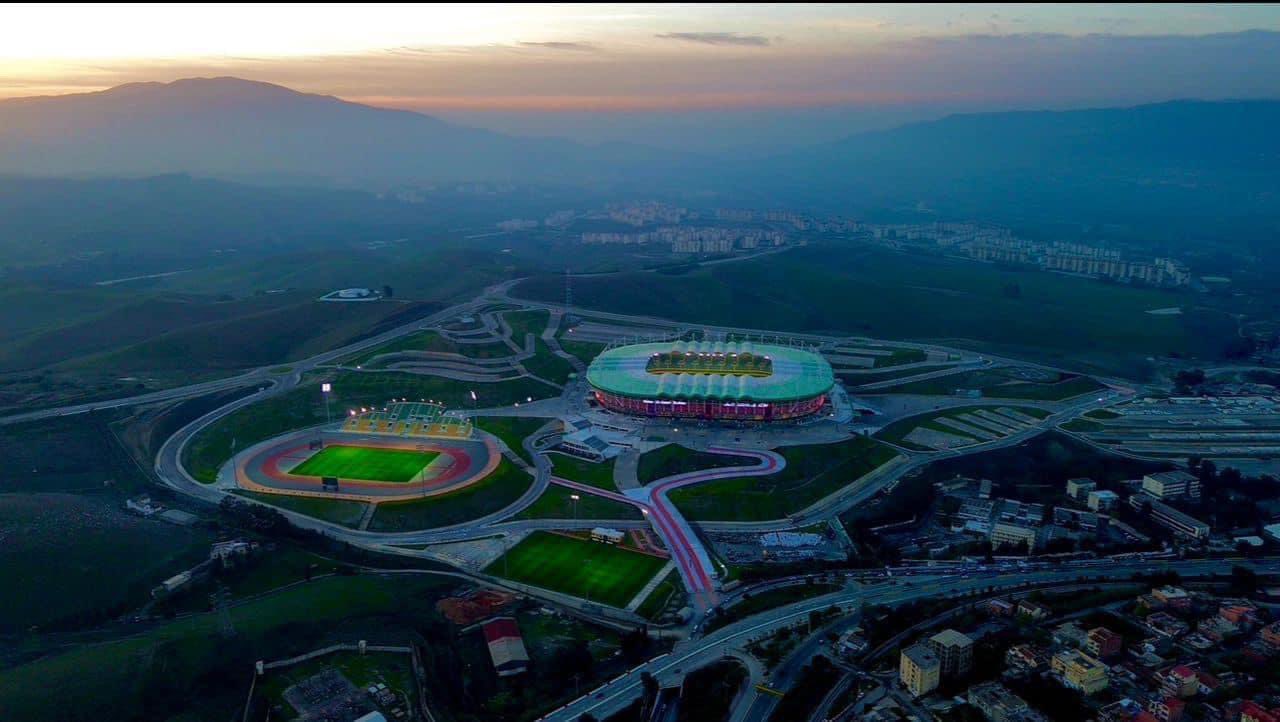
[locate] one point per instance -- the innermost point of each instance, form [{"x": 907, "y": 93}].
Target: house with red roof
[{"x": 506, "y": 646}]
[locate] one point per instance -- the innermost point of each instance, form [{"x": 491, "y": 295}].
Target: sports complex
[
  {"x": 398, "y": 452},
  {"x": 730, "y": 381}
]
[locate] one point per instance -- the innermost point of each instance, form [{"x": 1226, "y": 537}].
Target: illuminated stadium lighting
[{"x": 771, "y": 383}]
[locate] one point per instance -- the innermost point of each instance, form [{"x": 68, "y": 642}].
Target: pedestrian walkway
[
  {"x": 625, "y": 470},
  {"x": 644, "y": 593}
]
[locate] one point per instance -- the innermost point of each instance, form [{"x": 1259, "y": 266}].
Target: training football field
[
  {"x": 587, "y": 569},
  {"x": 367, "y": 463}
]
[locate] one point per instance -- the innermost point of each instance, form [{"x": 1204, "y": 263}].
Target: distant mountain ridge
[
  {"x": 230, "y": 127},
  {"x": 1184, "y": 164},
  {"x": 1180, "y": 159}
]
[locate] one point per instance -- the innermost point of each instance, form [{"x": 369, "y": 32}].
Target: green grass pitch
[
  {"x": 586, "y": 569},
  {"x": 366, "y": 463}
]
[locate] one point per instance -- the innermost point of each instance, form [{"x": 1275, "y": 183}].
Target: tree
[
  {"x": 1243, "y": 580},
  {"x": 1188, "y": 379},
  {"x": 387, "y": 292},
  {"x": 635, "y": 644}
]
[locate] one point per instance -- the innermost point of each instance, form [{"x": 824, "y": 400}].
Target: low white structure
[
  {"x": 607, "y": 535},
  {"x": 351, "y": 294}
]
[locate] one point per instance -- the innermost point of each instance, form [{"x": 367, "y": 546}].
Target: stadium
[
  {"x": 398, "y": 452},
  {"x": 721, "y": 381}
]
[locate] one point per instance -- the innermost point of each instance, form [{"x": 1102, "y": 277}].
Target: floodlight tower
[{"x": 325, "y": 389}]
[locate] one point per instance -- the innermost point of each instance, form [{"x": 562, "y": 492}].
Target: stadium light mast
[
  {"x": 325, "y": 388},
  {"x": 575, "y": 498}
]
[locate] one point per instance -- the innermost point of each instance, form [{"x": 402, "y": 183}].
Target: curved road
[{"x": 669, "y": 669}]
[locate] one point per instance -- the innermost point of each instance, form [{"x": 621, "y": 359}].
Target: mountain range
[
  {"x": 234, "y": 128},
  {"x": 1185, "y": 161}
]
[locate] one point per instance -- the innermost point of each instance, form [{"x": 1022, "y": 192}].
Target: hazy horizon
[{"x": 657, "y": 74}]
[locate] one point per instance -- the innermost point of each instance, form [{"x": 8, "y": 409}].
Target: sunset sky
[{"x": 641, "y": 57}]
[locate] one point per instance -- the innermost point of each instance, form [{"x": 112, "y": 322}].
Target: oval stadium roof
[{"x": 794, "y": 373}]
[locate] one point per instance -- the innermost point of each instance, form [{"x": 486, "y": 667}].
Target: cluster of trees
[{"x": 1231, "y": 500}]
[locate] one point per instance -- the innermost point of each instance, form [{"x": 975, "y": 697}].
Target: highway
[{"x": 691, "y": 654}]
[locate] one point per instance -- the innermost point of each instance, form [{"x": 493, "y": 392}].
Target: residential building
[
  {"x": 919, "y": 669},
  {"x": 1172, "y": 597},
  {"x": 1170, "y": 518},
  {"x": 1166, "y": 485},
  {"x": 1013, "y": 534},
  {"x": 1003, "y": 608},
  {"x": 998, "y": 704},
  {"x": 1080, "y": 671},
  {"x": 1166, "y": 709},
  {"x": 954, "y": 651},
  {"x": 1102, "y": 642},
  {"x": 1069, "y": 634},
  {"x": 1251, "y": 711},
  {"x": 1082, "y": 520},
  {"x": 1033, "y": 610},
  {"x": 1180, "y": 681},
  {"x": 1270, "y": 635},
  {"x": 1166, "y": 625},
  {"x": 1102, "y": 500},
  {"x": 1079, "y": 489},
  {"x": 1026, "y": 658}
]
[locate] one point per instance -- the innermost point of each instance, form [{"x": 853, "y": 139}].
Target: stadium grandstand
[
  {"x": 426, "y": 419},
  {"x": 712, "y": 380}
]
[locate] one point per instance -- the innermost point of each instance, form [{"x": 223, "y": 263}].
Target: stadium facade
[{"x": 712, "y": 380}]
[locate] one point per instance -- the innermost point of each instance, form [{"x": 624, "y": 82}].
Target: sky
[{"x": 593, "y": 70}]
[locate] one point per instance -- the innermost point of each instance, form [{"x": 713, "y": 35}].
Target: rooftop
[{"x": 712, "y": 370}]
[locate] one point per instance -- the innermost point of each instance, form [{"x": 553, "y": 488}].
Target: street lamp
[
  {"x": 575, "y": 498},
  {"x": 325, "y": 388}
]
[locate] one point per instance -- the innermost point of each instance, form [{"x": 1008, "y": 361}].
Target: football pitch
[
  {"x": 583, "y": 568},
  {"x": 367, "y": 463}
]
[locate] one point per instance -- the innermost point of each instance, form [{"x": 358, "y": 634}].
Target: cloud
[
  {"x": 562, "y": 45},
  {"x": 710, "y": 38}
]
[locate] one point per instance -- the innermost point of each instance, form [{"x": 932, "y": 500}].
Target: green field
[
  {"x": 812, "y": 472},
  {"x": 660, "y": 598},
  {"x": 367, "y": 463},
  {"x": 511, "y": 429},
  {"x": 556, "y": 503},
  {"x": 493, "y": 493},
  {"x": 897, "y": 432},
  {"x": 339, "y": 511},
  {"x": 584, "y": 350},
  {"x": 674, "y": 459},
  {"x": 596, "y": 473},
  {"x": 304, "y": 407},
  {"x": 580, "y": 567},
  {"x": 1000, "y": 384},
  {"x": 157, "y": 671},
  {"x": 879, "y": 293},
  {"x": 431, "y": 341},
  {"x": 543, "y": 364},
  {"x": 854, "y": 379}
]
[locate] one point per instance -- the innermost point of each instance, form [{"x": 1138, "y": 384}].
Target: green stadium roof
[{"x": 796, "y": 374}]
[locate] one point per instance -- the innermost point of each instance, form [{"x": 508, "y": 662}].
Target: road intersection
[{"x": 693, "y": 561}]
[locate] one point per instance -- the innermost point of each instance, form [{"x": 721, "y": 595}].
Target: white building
[
  {"x": 607, "y": 535},
  {"x": 1103, "y": 500},
  {"x": 1167, "y": 485}
]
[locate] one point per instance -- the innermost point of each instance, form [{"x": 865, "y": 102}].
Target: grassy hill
[{"x": 860, "y": 290}]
